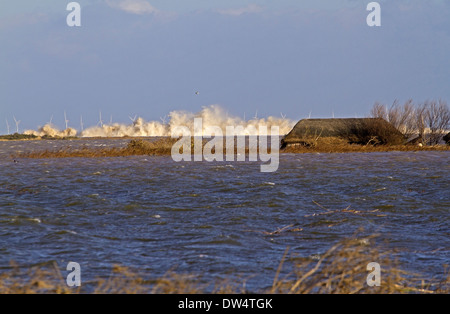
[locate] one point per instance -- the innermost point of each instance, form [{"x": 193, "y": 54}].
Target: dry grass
[
  {"x": 337, "y": 145},
  {"x": 31, "y": 137},
  {"x": 342, "y": 270},
  {"x": 34, "y": 280},
  {"x": 163, "y": 147},
  {"x": 134, "y": 148}
]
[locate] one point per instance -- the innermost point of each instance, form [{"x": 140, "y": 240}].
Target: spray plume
[{"x": 213, "y": 115}]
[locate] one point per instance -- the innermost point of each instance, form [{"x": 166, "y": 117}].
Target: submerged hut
[
  {"x": 364, "y": 131},
  {"x": 447, "y": 138}
]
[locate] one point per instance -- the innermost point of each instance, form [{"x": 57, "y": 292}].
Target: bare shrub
[
  {"x": 394, "y": 114},
  {"x": 429, "y": 120},
  {"x": 400, "y": 116},
  {"x": 379, "y": 111},
  {"x": 406, "y": 121},
  {"x": 419, "y": 120},
  {"x": 342, "y": 269}
]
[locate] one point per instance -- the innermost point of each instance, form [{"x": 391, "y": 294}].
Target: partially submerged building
[
  {"x": 447, "y": 138},
  {"x": 353, "y": 130}
]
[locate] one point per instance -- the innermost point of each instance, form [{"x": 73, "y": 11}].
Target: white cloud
[
  {"x": 251, "y": 8},
  {"x": 133, "y": 6}
]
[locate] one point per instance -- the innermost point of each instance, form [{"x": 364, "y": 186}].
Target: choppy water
[{"x": 155, "y": 215}]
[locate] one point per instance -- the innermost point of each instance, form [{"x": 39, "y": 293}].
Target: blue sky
[{"x": 148, "y": 57}]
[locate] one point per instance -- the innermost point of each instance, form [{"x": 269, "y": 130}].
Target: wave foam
[{"x": 213, "y": 115}]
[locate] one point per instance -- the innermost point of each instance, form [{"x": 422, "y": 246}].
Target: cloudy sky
[{"x": 149, "y": 57}]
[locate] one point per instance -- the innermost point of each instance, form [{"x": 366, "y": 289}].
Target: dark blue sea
[{"x": 217, "y": 219}]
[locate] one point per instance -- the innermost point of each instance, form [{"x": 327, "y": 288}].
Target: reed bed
[
  {"x": 163, "y": 147},
  {"x": 338, "y": 145},
  {"x": 134, "y": 148}
]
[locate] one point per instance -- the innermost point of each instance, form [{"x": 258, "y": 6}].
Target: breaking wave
[{"x": 213, "y": 115}]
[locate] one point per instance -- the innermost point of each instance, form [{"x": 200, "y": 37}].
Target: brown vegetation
[
  {"x": 374, "y": 132},
  {"x": 343, "y": 270},
  {"x": 339, "y": 145},
  {"x": 163, "y": 147},
  {"x": 361, "y": 131},
  {"x": 28, "y": 137},
  {"x": 17, "y": 137},
  {"x": 134, "y": 148}
]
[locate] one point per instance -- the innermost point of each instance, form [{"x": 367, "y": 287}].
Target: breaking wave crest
[{"x": 213, "y": 115}]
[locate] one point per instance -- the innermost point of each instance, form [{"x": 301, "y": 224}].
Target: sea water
[{"x": 217, "y": 219}]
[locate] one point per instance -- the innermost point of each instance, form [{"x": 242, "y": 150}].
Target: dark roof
[
  {"x": 352, "y": 129},
  {"x": 447, "y": 138}
]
